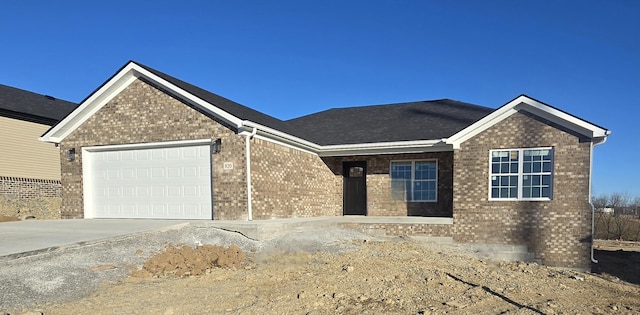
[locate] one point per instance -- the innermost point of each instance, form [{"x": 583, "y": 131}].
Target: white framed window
[
  {"x": 521, "y": 174},
  {"x": 414, "y": 180}
]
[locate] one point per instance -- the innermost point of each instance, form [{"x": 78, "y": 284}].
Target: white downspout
[
  {"x": 593, "y": 208},
  {"x": 247, "y": 143}
]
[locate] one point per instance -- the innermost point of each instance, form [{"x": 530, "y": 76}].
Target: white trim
[
  {"x": 87, "y": 180},
  {"x": 413, "y": 164},
  {"x": 287, "y": 145},
  {"x": 396, "y": 147},
  {"x": 528, "y": 104},
  {"x": 233, "y": 120},
  {"x": 87, "y": 175},
  {"x": 87, "y": 166},
  {"x": 90, "y": 106},
  {"x": 521, "y": 174},
  {"x": 133, "y": 71},
  {"x": 148, "y": 145},
  {"x": 117, "y": 84},
  {"x": 247, "y": 153}
]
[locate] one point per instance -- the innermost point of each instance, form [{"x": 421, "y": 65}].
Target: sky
[{"x": 292, "y": 58}]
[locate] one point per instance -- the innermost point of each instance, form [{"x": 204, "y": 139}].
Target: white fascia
[
  {"x": 231, "y": 119},
  {"x": 149, "y": 145},
  {"x": 288, "y": 140},
  {"x": 398, "y": 147},
  {"x": 90, "y": 106},
  {"x": 117, "y": 84},
  {"x": 525, "y": 103}
]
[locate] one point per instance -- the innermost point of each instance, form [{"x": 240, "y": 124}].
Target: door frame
[{"x": 346, "y": 166}]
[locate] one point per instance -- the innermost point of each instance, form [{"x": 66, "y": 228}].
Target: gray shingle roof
[
  {"x": 33, "y": 107},
  {"x": 231, "y": 107},
  {"x": 425, "y": 120}
]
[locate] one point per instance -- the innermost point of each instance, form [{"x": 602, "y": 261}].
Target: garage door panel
[{"x": 151, "y": 183}]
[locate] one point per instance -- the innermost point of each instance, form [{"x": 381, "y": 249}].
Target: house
[
  {"x": 29, "y": 169},
  {"x": 148, "y": 145}
]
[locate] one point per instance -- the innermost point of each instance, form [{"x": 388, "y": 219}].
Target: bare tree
[{"x": 600, "y": 202}]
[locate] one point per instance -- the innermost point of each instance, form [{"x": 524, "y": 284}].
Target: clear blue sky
[{"x": 291, "y": 58}]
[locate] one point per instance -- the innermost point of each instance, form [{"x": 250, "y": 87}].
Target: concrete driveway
[{"x": 22, "y": 237}]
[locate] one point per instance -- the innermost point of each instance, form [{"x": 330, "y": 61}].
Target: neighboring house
[
  {"x": 147, "y": 145},
  {"x": 29, "y": 169}
]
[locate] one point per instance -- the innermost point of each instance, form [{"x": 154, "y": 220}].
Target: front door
[{"x": 355, "y": 188}]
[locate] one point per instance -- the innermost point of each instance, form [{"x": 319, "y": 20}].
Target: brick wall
[
  {"x": 557, "y": 231},
  {"x": 379, "y": 199},
  {"x": 29, "y": 188},
  {"x": 289, "y": 183},
  {"x": 140, "y": 114},
  {"x": 26, "y": 197},
  {"x": 398, "y": 229}
]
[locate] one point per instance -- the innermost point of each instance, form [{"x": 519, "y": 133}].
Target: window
[
  {"x": 414, "y": 180},
  {"x": 521, "y": 174}
]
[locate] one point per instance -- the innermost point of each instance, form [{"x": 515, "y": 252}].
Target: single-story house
[
  {"x": 29, "y": 169},
  {"x": 148, "y": 145}
]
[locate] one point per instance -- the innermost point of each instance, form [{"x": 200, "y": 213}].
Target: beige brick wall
[
  {"x": 379, "y": 200},
  {"x": 557, "y": 231},
  {"x": 289, "y": 183},
  {"x": 141, "y": 114}
]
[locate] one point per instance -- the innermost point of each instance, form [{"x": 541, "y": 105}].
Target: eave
[{"x": 524, "y": 103}]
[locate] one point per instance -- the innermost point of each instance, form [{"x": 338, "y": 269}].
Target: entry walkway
[{"x": 18, "y": 237}]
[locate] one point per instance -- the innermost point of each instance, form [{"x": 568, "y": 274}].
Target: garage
[{"x": 159, "y": 181}]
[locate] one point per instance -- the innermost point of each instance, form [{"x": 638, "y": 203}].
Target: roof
[
  {"x": 238, "y": 110},
  {"x": 33, "y": 107},
  {"x": 431, "y": 120},
  {"x": 425, "y": 126}
]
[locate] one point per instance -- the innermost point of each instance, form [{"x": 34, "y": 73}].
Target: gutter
[
  {"x": 593, "y": 208},
  {"x": 247, "y": 142},
  {"x": 415, "y": 146}
]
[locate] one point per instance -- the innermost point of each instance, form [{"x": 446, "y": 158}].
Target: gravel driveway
[{"x": 75, "y": 271}]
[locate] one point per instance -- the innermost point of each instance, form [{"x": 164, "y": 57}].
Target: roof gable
[
  {"x": 232, "y": 113},
  {"x": 533, "y": 106},
  {"x": 24, "y": 105}
]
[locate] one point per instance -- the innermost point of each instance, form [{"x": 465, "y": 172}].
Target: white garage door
[{"x": 160, "y": 183}]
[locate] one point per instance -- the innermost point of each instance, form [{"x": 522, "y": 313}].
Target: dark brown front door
[{"x": 355, "y": 188}]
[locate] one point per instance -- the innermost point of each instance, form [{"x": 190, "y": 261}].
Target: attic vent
[{"x": 50, "y": 97}]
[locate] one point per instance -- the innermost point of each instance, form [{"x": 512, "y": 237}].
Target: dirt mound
[
  {"x": 183, "y": 261},
  {"x": 397, "y": 276}
]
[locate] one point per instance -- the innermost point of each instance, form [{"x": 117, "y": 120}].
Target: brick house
[
  {"x": 147, "y": 145},
  {"x": 29, "y": 169}
]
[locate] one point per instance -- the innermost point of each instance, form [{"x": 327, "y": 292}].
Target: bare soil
[
  {"x": 4, "y": 218},
  {"x": 398, "y": 276}
]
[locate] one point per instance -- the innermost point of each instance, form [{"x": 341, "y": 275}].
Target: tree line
[{"x": 617, "y": 216}]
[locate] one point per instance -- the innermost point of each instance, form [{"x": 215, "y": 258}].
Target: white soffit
[{"x": 532, "y": 106}]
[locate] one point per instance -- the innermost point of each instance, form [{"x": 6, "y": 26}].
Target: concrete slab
[
  {"x": 25, "y": 237},
  {"x": 32, "y": 235}
]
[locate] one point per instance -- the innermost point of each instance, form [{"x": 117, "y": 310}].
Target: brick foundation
[{"x": 26, "y": 197}]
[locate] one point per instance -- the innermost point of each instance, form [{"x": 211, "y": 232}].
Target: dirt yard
[{"x": 398, "y": 276}]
